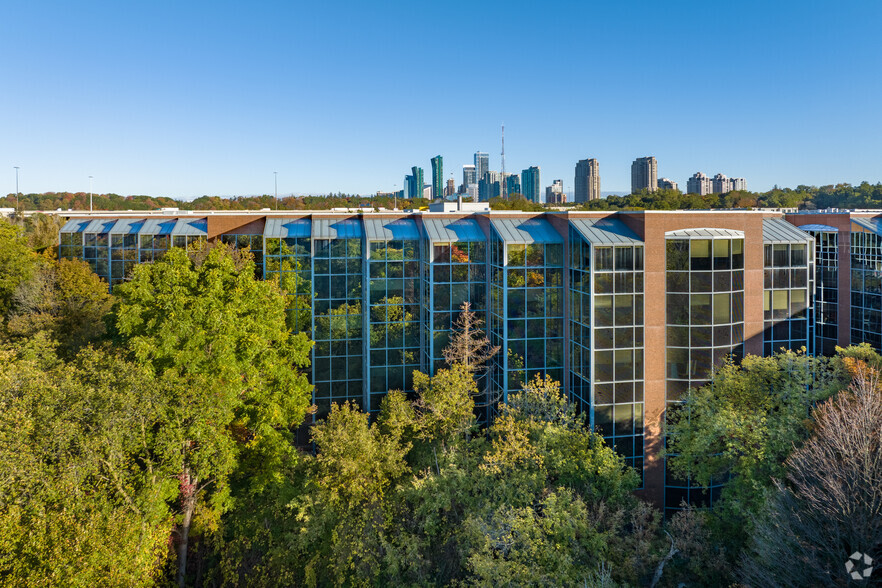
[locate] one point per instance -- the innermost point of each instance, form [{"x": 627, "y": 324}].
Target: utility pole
[
  {"x": 17, "y": 198},
  {"x": 90, "y": 193},
  {"x": 276, "y": 187}
]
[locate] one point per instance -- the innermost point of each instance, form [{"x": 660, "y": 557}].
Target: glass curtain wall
[
  {"x": 618, "y": 349},
  {"x": 866, "y": 284},
  {"x": 123, "y": 250},
  {"x": 70, "y": 246},
  {"x": 251, "y": 242},
  {"x": 786, "y": 296},
  {"x": 456, "y": 275},
  {"x": 612, "y": 277},
  {"x": 289, "y": 260},
  {"x": 338, "y": 368},
  {"x": 580, "y": 321},
  {"x": 527, "y": 303},
  {"x": 394, "y": 316},
  {"x": 705, "y": 324},
  {"x": 96, "y": 248},
  {"x": 826, "y": 302}
]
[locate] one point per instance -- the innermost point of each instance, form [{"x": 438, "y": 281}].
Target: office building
[
  {"x": 554, "y": 193},
  {"x": 414, "y": 183},
  {"x": 437, "y": 177},
  {"x": 489, "y": 186},
  {"x": 586, "y": 184},
  {"x": 512, "y": 184},
  {"x": 644, "y": 175},
  {"x": 531, "y": 184},
  {"x": 699, "y": 184},
  {"x": 482, "y": 164},
  {"x": 563, "y": 294},
  {"x": 667, "y": 184},
  {"x": 469, "y": 175},
  {"x": 451, "y": 188}
]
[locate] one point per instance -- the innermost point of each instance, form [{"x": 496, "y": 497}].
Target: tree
[
  {"x": 468, "y": 346},
  {"x": 17, "y": 262},
  {"x": 743, "y": 424},
  {"x": 65, "y": 299},
  {"x": 219, "y": 335},
  {"x": 83, "y": 488},
  {"x": 829, "y": 506}
]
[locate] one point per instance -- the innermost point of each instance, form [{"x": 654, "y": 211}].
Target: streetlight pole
[
  {"x": 17, "y": 199},
  {"x": 90, "y": 193},
  {"x": 276, "y": 187}
]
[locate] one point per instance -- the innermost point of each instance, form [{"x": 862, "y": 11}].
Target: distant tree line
[{"x": 80, "y": 201}]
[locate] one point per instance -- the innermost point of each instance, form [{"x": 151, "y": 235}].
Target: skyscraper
[
  {"x": 644, "y": 175},
  {"x": 451, "y": 187},
  {"x": 722, "y": 184},
  {"x": 554, "y": 193},
  {"x": 667, "y": 184},
  {"x": 530, "y": 183},
  {"x": 698, "y": 184},
  {"x": 488, "y": 186},
  {"x": 469, "y": 175},
  {"x": 587, "y": 182},
  {"x": 437, "y": 177},
  {"x": 482, "y": 164},
  {"x": 512, "y": 184},
  {"x": 415, "y": 187}
]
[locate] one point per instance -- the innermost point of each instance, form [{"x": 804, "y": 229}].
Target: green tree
[
  {"x": 220, "y": 335},
  {"x": 83, "y": 491},
  {"x": 65, "y": 299},
  {"x": 17, "y": 262},
  {"x": 829, "y": 505}
]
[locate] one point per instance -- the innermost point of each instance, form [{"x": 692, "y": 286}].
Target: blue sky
[{"x": 183, "y": 99}]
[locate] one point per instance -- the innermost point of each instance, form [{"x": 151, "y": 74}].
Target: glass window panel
[
  {"x": 721, "y": 254},
  {"x": 603, "y": 258},
  {"x": 700, "y": 309},
  {"x": 702, "y": 281},
  {"x": 700, "y": 254},
  {"x": 624, "y": 258},
  {"x": 798, "y": 254},
  {"x": 678, "y": 336},
  {"x": 678, "y": 309},
  {"x": 722, "y": 309},
  {"x": 603, "y": 283},
  {"x": 678, "y": 281},
  {"x": 677, "y": 254},
  {"x": 603, "y": 311},
  {"x": 781, "y": 255},
  {"x": 737, "y": 253}
]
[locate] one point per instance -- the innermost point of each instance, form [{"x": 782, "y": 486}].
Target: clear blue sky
[{"x": 183, "y": 99}]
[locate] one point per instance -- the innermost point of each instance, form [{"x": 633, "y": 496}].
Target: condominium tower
[
  {"x": 587, "y": 181},
  {"x": 644, "y": 175},
  {"x": 437, "y": 177}
]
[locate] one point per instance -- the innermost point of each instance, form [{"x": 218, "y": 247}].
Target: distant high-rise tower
[
  {"x": 554, "y": 193},
  {"x": 451, "y": 187},
  {"x": 530, "y": 183},
  {"x": 482, "y": 164},
  {"x": 667, "y": 184},
  {"x": 488, "y": 186},
  {"x": 469, "y": 175},
  {"x": 739, "y": 184},
  {"x": 512, "y": 184},
  {"x": 437, "y": 177},
  {"x": 699, "y": 184},
  {"x": 644, "y": 175},
  {"x": 722, "y": 184},
  {"x": 415, "y": 189},
  {"x": 587, "y": 184}
]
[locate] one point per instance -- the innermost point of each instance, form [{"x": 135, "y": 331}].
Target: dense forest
[
  {"x": 865, "y": 195},
  {"x": 148, "y": 438}
]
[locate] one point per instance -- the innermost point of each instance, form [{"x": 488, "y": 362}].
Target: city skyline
[{"x": 213, "y": 100}]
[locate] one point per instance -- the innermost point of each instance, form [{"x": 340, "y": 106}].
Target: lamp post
[
  {"x": 276, "y": 187},
  {"x": 90, "y": 193},
  {"x": 17, "y": 199}
]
